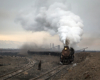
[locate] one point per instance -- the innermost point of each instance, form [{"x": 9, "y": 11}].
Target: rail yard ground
[{"x": 86, "y": 66}]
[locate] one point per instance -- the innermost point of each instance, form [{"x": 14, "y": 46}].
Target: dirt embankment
[{"x": 87, "y": 68}]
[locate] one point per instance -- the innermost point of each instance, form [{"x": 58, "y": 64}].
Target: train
[{"x": 67, "y": 55}]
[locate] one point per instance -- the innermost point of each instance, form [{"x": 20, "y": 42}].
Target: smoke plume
[
  {"x": 33, "y": 47},
  {"x": 55, "y": 19}
]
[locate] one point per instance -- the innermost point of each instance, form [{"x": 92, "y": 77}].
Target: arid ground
[{"x": 86, "y": 66}]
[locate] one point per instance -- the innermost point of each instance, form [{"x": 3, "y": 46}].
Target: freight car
[{"x": 67, "y": 55}]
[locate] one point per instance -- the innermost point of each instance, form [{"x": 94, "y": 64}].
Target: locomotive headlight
[{"x": 65, "y": 48}]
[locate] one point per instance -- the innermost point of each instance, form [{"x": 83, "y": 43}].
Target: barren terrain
[
  {"x": 86, "y": 69},
  {"x": 86, "y": 66}
]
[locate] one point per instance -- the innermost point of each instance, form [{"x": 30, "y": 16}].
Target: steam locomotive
[{"x": 67, "y": 55}]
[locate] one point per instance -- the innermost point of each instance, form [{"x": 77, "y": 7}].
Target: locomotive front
[{"x": 67, "y": 55}]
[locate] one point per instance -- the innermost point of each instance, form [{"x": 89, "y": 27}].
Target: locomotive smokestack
[{"x": 67, "y": 42}]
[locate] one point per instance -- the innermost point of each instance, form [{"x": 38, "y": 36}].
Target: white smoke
[{"x": 55, "y": 19}]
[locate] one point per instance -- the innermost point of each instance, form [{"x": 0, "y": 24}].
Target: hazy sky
[{"x": 12, "y": 35}]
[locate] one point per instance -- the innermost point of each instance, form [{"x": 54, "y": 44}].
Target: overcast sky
[{"x": 12, "y": 35}]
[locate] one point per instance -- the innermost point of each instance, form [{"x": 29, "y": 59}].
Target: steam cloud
[{"x": 55, "y": 19}]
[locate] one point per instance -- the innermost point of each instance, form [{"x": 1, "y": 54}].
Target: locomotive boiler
[{"x": 67, "y": 55}]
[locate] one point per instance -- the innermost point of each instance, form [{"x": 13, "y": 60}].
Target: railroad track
[
  {"x": 18, "y": 71},
  {"x": 50, "y": 73}
]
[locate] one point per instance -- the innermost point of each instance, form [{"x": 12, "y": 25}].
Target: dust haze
[{"x": 33, "y": 47}]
